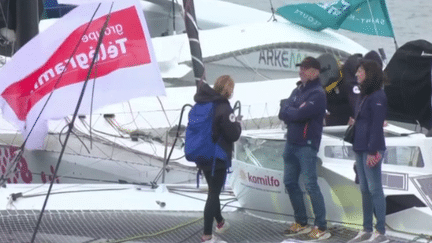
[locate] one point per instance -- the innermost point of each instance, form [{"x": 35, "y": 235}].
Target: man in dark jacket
[{"x": 304, "y": 112}]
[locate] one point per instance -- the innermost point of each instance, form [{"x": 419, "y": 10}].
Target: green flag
[{"x": 364, "y": 16}]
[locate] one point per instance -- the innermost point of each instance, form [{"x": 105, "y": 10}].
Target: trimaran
[{"x": 130, "y": 141}]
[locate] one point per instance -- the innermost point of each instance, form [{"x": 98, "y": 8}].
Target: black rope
[
  {"x": 82, "y": 142},
  {"x": 91, "y": 106},
  {"x": 172, "y": 148},
  {"x": 102, "y": 34},
  {"x": 21, "y": 149},
  {"x": 237, "y": 106}
]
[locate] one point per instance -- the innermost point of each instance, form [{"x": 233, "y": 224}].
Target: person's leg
[
  {"x": 366, "y": 195},
  {"x": 374, "y": 183},
  {"x": 308, "y": 162},
  {"x": 212, "y": 206},
  {"x": 291, "y": 178}
]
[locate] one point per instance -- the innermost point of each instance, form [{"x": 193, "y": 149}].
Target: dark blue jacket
[
  {"x": 225, "y": 126},
  {"x": 304, "y": 112},
  {"x": 369, "y": 132}
]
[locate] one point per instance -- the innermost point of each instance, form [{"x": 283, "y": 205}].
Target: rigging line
[
  {"x": 3, "y": 14},
  {"x": 102, "y": 34},
  {"x": 76, "y": 191},
  {"x": 61, "y": 75},
  {"x": 163, "y": 110},
  {"x": 250, "y": 68},
  {"x": 127, "y": 148},
  {"x": 132, "y": 114},
  {"x": 91, "y": 104},
  {"x": 181, "y": 10},
  {"x": 173, "y": 17},
  {"x": 108, "y": 134},
  {"x": 175, "y": 141},
  {"x": 105, "y": 133},
  {"x": 273, "y": 12},
  {"x": 82, "y": 142}
]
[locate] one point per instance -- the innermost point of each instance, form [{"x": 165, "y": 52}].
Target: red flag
[{"x": 126, "y": 67}]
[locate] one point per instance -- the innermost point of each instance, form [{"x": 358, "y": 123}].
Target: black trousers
[{"x": 212, "y": 209}]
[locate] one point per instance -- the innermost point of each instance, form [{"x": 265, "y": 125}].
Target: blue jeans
[
  {"x": 302, "y": 160},
  {"x": 372, "y": 193}
]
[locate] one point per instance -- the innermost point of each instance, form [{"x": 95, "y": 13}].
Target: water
[{"x": 411, "y": 21}]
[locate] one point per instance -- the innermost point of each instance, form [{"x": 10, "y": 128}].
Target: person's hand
[
  {"x": 373, "y": 159},
  {"x": 351, "y": 121}
]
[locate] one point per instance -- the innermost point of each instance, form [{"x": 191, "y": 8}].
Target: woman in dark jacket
[
  {"x": 226, "y": 130},
  {"x": 369, "y": 146}
]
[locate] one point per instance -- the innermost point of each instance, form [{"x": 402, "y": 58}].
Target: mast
[
  {"x": 20, "y": 17},
  {"x": 195, "y": 47},
  {"x": 27, "y": 20}
]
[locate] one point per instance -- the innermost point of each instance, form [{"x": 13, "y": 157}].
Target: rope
[
  {"x": 102, "y": 34},
  {"x": 160, "y": 232}
]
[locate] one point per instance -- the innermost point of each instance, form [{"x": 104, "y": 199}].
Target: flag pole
[
  {"x": 388, "y": 17},
  {"x": 391, "y": 25}
]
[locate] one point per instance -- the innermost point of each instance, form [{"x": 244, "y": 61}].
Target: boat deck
[{"x": 145, "y": 226}]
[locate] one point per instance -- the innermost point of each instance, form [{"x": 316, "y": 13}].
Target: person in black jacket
[
  {"x": 226, "y": 127},
  {"x": 304, "y": 112},
  {"x": 369, "y": 146}
]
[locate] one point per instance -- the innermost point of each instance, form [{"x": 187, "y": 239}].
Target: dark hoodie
[
  {"x": 374, "y": 56},
  {"x": 224, "y": 124}
]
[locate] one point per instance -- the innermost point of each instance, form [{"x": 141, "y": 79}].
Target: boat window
[
  {"x": 404, "y": 155},
  {"x": 339, "y": 152},
  {"x": 395, "y": 155},
  {"x": 261, "y": 152}
]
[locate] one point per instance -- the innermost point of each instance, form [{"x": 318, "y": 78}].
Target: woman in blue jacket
[
  {"x": 369, "y": 146},
  {"x": 226, "y": 129}
]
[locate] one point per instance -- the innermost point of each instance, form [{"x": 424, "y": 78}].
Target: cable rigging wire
[
  {"x": 172, "y": 148},
  {"x": 102, "y": 34},
  {"x": 20, "y": 151},
  {"x": 273, "y": 17}
]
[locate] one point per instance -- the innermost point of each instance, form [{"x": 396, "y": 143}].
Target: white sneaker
[
  {"x": 222, "y": 227},
  {"x": 214, "y": 239},
  {"x": 362, "y": 236},
  {"x": 318, "y": 235},
  {"x": 378, "y": 238}
]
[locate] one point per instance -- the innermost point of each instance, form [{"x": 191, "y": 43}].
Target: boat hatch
[
  {"x": 260, "y": 152},
  {"x": 424, "y": 185}
]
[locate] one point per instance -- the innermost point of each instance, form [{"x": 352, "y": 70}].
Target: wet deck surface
[{"x": 144, "y": 226}]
